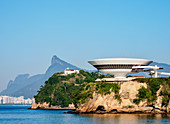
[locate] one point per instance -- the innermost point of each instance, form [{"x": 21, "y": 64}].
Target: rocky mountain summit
[
  {"x": 27, "y": 86},
  {"x": 58, "y": 65}
]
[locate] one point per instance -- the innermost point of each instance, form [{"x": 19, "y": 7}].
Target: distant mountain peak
[
  {"x": 55, "y": 60},
  {"x": 27, "y": 86}
]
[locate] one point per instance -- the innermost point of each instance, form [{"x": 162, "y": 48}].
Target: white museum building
[{"x": 120, "y": 67}]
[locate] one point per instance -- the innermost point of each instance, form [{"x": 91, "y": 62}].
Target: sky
[{"x": 32, "y": 31}]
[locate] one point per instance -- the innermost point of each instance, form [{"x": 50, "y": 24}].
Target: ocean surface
[{"x": 23, "y": 115}]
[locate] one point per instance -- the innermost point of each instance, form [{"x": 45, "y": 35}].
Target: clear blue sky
[{"x": 32, "y": 31}]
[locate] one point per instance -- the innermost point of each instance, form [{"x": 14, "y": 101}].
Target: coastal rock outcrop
[
  {"x": 108, "y": 103},
  {"x": 47, "y": 106},
  {"x": 141, "y": 95},
  {"x": 40, "y": 106}
]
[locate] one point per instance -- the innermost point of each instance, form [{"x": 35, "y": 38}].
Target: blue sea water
[{"x": 23, "y": 115}]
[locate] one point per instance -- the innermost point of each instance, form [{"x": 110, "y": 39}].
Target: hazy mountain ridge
[
  {"x": 166, "y": 68},
  {"x": 164, "y": 65},
  {"x": 27, "y": 86}
]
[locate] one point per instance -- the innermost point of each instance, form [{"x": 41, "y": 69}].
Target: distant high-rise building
[{"x": 15, "y": 100}]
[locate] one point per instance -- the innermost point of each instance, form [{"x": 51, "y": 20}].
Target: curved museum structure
[{"x": 119, "y": 67}]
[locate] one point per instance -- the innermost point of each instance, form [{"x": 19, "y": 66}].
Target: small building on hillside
[{"x": 70, "y": 71}]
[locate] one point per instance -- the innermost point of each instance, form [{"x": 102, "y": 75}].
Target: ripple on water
[{"x": 20, "y": 114}]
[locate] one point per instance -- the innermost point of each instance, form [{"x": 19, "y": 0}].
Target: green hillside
[
  {"x": 63, "y": 90},
  {"x": 60, "y": 89}
]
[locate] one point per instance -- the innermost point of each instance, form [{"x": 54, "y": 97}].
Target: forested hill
[
  {"x": 145, "y": 95},
  {"x": 60, "y": 89}
]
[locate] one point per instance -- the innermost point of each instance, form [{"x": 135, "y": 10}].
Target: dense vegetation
[
  {"x": 60, "y": 89},
  {"x": 63, "y": 90},
  {"x": 150, "y": 93},
  {"x": 99, "y": 87}
]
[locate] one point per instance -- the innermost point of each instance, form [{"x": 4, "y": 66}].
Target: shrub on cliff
[
  {"x": 166, "y": 96},
  {"x": 99, "y": 87},
  {"x": 165, "y": 101},
  {"x": 150, "y": 93},
  {"x": 144, "y": 93},
  {"x": 106, "y": 88}
]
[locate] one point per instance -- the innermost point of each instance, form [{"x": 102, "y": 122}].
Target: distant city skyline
[
  {"x": 15, "y": 100},
  {"x": 31, "y": 32}
]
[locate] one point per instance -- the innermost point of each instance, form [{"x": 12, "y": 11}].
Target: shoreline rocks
[
  {"x": 46, "y": 106},
  {"x": 144, "y": 110}
]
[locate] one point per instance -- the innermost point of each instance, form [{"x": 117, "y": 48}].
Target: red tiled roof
[{"x": 71, "y": 69}]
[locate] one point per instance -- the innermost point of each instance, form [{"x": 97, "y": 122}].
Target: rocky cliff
[{"x": 124, "y": 101}]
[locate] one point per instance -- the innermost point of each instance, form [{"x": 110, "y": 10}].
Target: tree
[{"x": 151, "y": 74}]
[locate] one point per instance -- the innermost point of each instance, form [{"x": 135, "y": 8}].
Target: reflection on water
[
  {"x": 128, "y": 118},
  {"x": 20, "y": 114}
]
